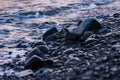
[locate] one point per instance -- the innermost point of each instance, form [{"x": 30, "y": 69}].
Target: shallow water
[{"x": 22, "y": 19}]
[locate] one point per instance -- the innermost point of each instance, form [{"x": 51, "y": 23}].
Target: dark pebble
[
  {"x": 34, "y": 63},
  {"x": 91, "y": 40},
  {"x": 49, "y": 32},
  {"x": 68, "y": 51}
]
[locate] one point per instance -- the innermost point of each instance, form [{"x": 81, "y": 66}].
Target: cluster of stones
[{"x": 64, "y": 52}]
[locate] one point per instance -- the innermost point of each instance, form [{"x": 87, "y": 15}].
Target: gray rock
[
  {"x": 49, "y": 32},
  {"x": 34, "y": 63},
  {"x": 88, "y": 25}
]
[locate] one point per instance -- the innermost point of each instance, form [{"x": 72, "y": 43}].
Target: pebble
[
  {"x": 34, "y": 63},
  {"x": 49, "y": 32},
  {"x": 68, "y": 51},
  {"x": 116, "y": 47},
  {"x": 25, "y": 73},
  {"x": 43, "y": 73},
  {"x": 91, "y": 40}
]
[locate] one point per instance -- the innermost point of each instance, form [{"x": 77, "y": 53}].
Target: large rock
[
  {"x": 88, "y": 25},
  {"x": 71, "y": 38},
  {"x": 34, "y": 63},
  {"x": 39, "y": 51},
  {"x": 49, "y": 32}
]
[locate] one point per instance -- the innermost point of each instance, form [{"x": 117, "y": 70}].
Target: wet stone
[
  {"x": 34, "y": 63},
  {"x": 88, "y": 25},
  {"x": 49, "y": 32}
]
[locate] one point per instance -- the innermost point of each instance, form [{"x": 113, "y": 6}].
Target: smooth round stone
[{"x": 49, "y": 32}]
